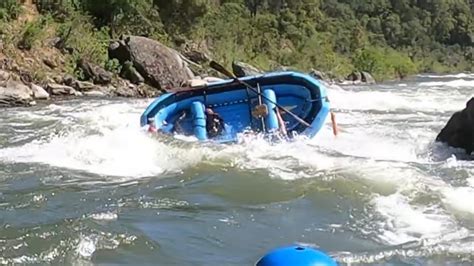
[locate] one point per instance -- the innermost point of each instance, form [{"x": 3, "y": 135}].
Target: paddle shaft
[
  {"x": 226, "y": 72},
  {"x": 262, "y": 121}
]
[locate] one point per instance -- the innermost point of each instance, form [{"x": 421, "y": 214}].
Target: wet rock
[
  {"x": 357, "y": 77},
  {"x": 318, "y": 74},
  {"x": 39, "y": 92},
  {"x": 367, "y": 77},
  {"x": 57, "y": 89},
  {"x": 95, "y": 73},
  {"x": 160, "y": 66},
  {"x": 15, "y": 93},
  {"x": 242, "y": 69},
  {"x": 459, "y": 131}
]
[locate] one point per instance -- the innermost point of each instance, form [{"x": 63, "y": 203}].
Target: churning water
[{"x": 82, "y": 183}]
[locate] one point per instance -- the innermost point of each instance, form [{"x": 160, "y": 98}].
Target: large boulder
[
  {"x": 14, "y": 93},
  {"x": 459, "y": 131},
  {"x": 242, "y": 69},
  {"x": 160, "y": 66}
]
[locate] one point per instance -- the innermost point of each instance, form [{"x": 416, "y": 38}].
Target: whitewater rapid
[{"x": 414, "y": 191}]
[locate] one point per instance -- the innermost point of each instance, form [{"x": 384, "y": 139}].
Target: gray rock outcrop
[
  {"x": 160, "y": 66},
  {"x": 459, "y": 131}
]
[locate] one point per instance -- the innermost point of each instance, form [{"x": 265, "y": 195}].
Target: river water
[{"x": 81, "y": 183}]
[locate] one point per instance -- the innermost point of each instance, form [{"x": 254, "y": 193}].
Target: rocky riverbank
[{"x": 147, "y": 68}]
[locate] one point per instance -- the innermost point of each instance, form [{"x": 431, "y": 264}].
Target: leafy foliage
[
  {"x": 9, "y": 9},
  {"x": 32, "y": 32},
  {"x": 390, "y": 38}
]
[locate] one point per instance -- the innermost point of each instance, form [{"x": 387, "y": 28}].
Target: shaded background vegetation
[{"x": 389, "y": 38}]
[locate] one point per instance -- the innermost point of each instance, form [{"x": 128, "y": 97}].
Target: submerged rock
[
  {"x": 459, "y": 131},
  {"x": 160, "y": 66}
]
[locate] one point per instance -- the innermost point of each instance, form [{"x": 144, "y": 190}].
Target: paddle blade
[
  {"x": 218, "y": 67},
  {"x": 335, "y": 130}
]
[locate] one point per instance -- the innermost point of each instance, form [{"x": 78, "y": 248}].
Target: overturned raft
[{"x": 183, "y": 112}]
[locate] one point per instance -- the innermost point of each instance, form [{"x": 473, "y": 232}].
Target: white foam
[
  {"x": 391, "y": 100},
  {"x": 120, "y": 152},
  {"x": 459, "y": 83},
  {"x": 86, "y": 247},
  {"x": 106, "y": 140},
  {"x": 404, "y": 222},
  {"x": 287, "y": 160},
  {"x": 460, "y": 75},
  {"x": 460, "y": 199},
  {"x": 104, "y": 216},
  {"x": 470, "y": 182}
]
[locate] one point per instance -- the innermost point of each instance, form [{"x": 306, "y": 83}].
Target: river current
[{"x": 82, "y": 183}]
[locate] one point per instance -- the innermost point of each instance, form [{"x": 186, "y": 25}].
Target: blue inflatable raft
[{"x": 184, "y": 112}]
